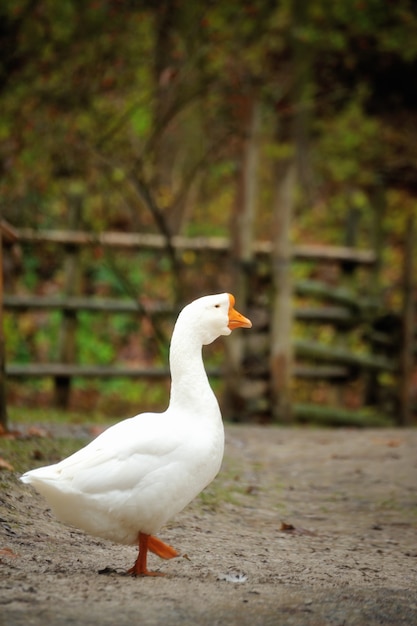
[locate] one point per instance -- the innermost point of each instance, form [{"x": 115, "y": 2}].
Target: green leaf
[{"x": 141, "y": 121}]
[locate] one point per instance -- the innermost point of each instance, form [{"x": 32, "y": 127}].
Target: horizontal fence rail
[
  {"x": 52, "y": 370},
  {"x": 331, "y": 314},
  {"x": 220, "y": 244},
  {"x": 337, "y": 306}
]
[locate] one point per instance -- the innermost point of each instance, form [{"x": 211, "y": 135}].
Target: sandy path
[{"x": 351, "y": 559}]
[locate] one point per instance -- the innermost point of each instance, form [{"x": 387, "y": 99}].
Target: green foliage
[
  {"x": 85, "y": 104},
  {"x": 351, "y": 143},
  {"x": 141, "y": 121},
  {"x": 143, "y": 112},
  {"x": 95, "y": 342}
]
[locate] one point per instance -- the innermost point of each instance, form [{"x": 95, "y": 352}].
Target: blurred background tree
[
  {"x": 170, "y": 117},
  {"x": 143, "y": 108}
]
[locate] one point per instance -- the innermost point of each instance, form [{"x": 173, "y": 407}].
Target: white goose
[{"x": 136, "y": 475}]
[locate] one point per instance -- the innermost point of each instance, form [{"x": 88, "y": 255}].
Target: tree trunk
[
  {"x": 282, "y": 290},
  {"x": 3, "y": 401},
  {"x": 242, "y": 239},
  {"x": 292, "y": 133}
]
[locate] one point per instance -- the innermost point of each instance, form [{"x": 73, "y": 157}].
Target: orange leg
[{"x": 155, "y": 545}]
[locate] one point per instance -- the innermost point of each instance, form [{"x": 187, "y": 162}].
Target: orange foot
[{"x": 155, "y": 545}]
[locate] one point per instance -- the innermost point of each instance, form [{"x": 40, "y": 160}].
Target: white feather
[{"x": 139, "y": 473}]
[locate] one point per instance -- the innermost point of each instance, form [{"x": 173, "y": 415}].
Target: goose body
[{"x": 135, "y": 476}]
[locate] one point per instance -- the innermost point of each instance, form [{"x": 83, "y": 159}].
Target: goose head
[{"x": 212, "y": 316}]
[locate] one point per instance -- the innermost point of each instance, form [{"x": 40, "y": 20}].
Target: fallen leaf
[
  {"x": 35, "y": 431},
  {"x": 5, "y": 465},
  {"x": 289, "y": 528},
  {"x": 38, "y": 455},
  {"x": 394, "y": 443},
  {"x": 391, "y": 443},
  {"x": 96, "y": 430},
  {"x": 9, "y": 434},
  {"x": 8, "y": 552}
]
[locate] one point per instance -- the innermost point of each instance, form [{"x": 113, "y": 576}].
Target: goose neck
[{"x": 189, "y": 382}]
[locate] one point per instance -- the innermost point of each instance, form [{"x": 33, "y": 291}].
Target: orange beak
[{"x": 236, "y": 319}]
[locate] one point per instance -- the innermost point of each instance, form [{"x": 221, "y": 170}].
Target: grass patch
[
  {"x": 25, "y": 454},
  {"x": 31, "y": 416}
]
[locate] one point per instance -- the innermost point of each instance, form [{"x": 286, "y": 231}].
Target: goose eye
[{"x": 217, "y": 306}]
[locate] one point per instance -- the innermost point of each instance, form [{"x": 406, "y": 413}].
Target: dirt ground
[{"x": 346, "y": 554}]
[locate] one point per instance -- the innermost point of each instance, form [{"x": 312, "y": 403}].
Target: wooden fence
[{"x": 338, "y": 307}]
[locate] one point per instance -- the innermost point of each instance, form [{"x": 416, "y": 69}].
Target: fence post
[
  {"x": 281, "y": 363},
  {"x": 68, "y": 339},
  {"x": 8, "y": 232},
  {"x": 408, "y": 316}
]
